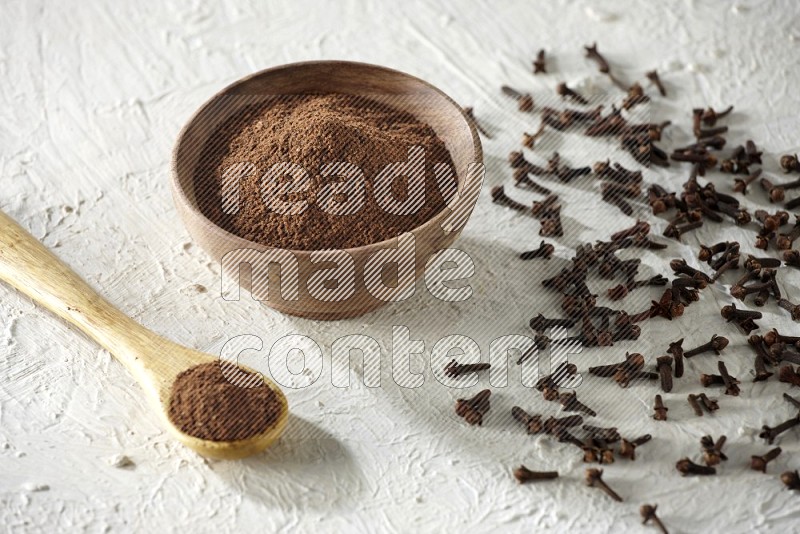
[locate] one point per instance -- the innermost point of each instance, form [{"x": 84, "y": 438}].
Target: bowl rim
[{"x": 180, "y": 194}]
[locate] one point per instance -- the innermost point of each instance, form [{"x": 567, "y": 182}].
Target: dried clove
[
  {"x": 793, "y": 309},
  {"x": 655, "y": 80},
  {"x": 694, "y": 402},
  {"x": 712, "y": 451},
  {"x": 524, "y": 475},
  {"x": 545, "y": 251},
  {"x": 788, "y": 375},
  {"x": 469, "y": 112},
  {"x": 570, "y": 403},
  {"x": 742, "y": 183},
  {"x": 717, "y": 344},
  {"x": 731, "y": 387},
  {"x": 473, "y": 410},
  {"x": 770, "y": 433},
  {"x": 710, "y": 405},
  {"x": 524, "y": 100},
  {"x": 521, "y": 178},
  {"x": 633, "y": 361},
  {"x": 660, "y": 411},
  {"x": 565, "y": 92},
  {"x": 635, "y": 96},
  {"x": 627, "y": 449},
  {"x": 648, "y": 513},
  {"x": 792, "y": 258},
  {"x": 759, "y": 463},
  {"x": 499, "y": 197},
  {"x": 790, "y": 163},
  {"x": 687, "y": 467},
  {"x": 529, "y": 140},
  {"x": 775, "y": 192},
  {"x": 594, "y": 479},
  {"x": 454, "y": 369},
  {"x": 532, "y": 423},
  {"x": 664, "y": 366},
  {"x": 791, "y": 479},
  {"x": 794, "y": 402},
  {"x": 676, "y": 350},
  {"x": 539, "y": 65},
  {"x": 610, "y": 434},
  {"x": 710, "y": 116},
  {"x": 594, "y": 55}
]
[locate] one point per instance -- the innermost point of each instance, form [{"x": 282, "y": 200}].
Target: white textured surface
[{"x": 93, "y": 97}]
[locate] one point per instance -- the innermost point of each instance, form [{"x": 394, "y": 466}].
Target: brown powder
[
  {"x": 311, "y": 131},
  {"x": 206, "y": 405}
]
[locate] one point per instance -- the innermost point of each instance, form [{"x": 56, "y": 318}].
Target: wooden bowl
[{"x": 415, "y": 96}]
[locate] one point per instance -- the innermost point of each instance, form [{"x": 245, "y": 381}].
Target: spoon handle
[{"x": 28, "y": 266}]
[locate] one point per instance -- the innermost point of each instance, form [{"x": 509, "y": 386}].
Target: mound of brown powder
[
  {"x": 206, "y": 405},
  {"x": 311, "y": 131}
]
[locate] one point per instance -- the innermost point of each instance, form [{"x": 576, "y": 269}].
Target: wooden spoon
[{"x": 153, "y": 360}]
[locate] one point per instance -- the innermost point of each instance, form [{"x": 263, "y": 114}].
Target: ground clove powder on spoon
[
  {"x": 206, "y": 405},
  {"x": 312, "y": 130}
]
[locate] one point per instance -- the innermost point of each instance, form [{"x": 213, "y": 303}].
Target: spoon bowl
[{"x": 154, "y": 361}]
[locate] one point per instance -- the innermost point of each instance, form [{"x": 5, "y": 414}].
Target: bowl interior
[{"x": 394, "y": 88}]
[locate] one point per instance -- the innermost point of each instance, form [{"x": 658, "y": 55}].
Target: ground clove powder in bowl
[{"x": 310, "y": 131}]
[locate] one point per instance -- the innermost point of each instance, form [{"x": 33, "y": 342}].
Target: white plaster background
[{"x": 93, "y": 95}]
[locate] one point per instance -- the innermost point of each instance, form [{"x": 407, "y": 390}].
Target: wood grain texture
[{"x": 154, "y": 361}]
